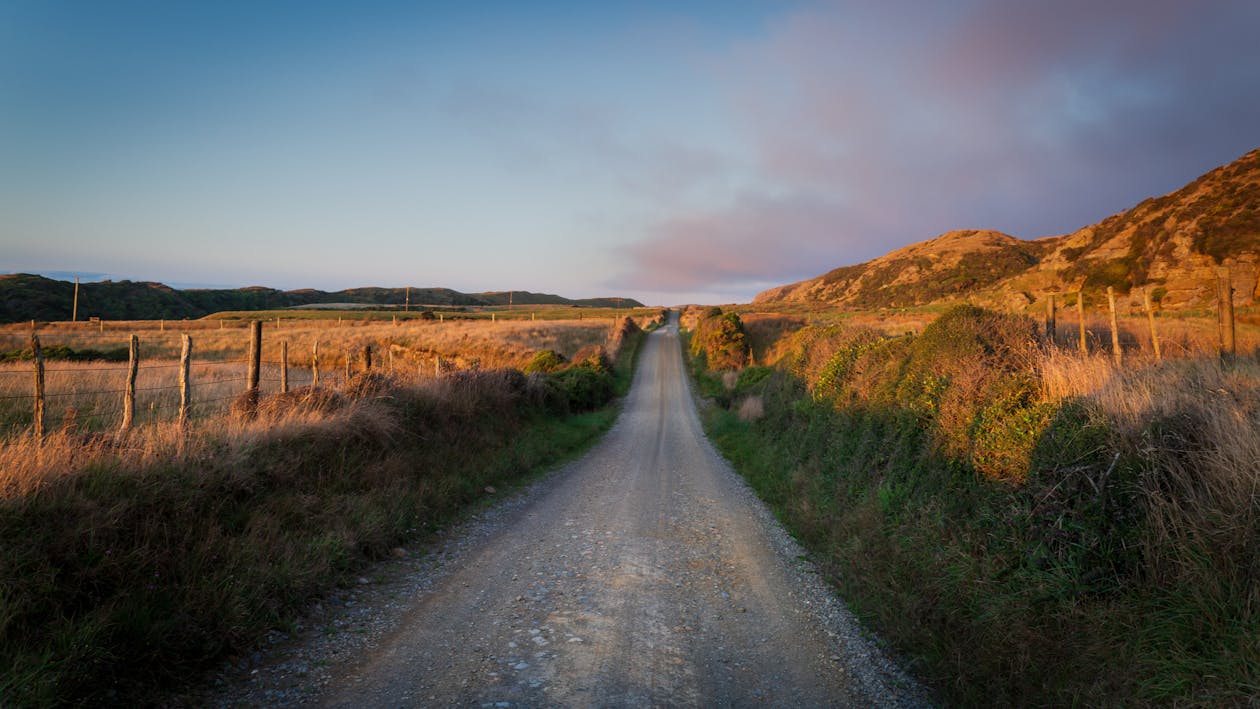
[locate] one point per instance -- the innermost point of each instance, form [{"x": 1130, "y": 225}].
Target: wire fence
[{"x": 97, "y": 396}]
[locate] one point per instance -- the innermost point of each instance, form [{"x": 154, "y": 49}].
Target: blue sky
[{"x": 676, "y": 152}]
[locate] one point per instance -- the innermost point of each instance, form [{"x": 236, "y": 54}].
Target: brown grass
[{"x": 88, "y": 395}]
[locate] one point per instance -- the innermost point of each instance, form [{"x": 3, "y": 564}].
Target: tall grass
[
  {"x": 1030, "y": 525},
  {"x": 87, "y": 395},
  {"x": 129, "y": 561}
]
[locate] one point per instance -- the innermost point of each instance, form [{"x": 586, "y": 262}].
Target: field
[
  {"x": 88, "y": 395},
  {"x": 1028, "y": 524},
  {"x": 130, "y": 560}
]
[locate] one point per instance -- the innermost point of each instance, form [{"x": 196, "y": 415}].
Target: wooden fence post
[
  {"x": 284, "y": 367},
  {"x": 367, "y": 358},
  {"x": 315, "y": 364},
  {"x": 1115, "y": 326},
  {"x": 38, "y": 354},
  {"x": 1080, "y": 313},
  {"x": 1050, "y": 318},
  {"x": 255, "y": 367},
  {"x": 185, "y": 383},
  {"x": 129, "y": 394},
  {"x": 1150, "y": 319},
  {"x": 1225, "y": 312}
]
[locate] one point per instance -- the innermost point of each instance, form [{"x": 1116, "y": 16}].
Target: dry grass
[
  {"x": 131, "y": 560},
  {"x": 1039, "y": 526},
  {"x": 89, "y": 395}
]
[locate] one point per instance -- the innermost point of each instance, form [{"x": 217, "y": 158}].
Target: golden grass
[{"x": 89, "y": 394}]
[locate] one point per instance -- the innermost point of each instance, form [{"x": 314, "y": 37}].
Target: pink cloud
[{"x": 874, "y": 127}]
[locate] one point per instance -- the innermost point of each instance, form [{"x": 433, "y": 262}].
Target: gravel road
[{"x": 645, "y": 573}]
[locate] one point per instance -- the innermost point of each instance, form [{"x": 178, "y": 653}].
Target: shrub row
[{"x": 1019, "y": 550}]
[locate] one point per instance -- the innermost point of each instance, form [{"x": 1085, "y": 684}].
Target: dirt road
[{"x": 645, "y": 573}]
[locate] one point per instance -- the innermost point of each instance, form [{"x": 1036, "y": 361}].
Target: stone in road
[{"x": 645, "y": 573}]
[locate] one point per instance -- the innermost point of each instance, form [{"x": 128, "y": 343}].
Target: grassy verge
[
  {"x": 127, "y": 565},
  {"x": 1018, "y": 549}
]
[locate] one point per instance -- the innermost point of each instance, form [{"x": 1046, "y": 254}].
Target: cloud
[
  {"x": 753, "y": 243},
  {"x": 871, "y": 128}
]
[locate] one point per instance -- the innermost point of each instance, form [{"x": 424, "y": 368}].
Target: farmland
[{"x": 133, "y": 558}]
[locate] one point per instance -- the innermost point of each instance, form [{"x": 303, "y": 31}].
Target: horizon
[{"x": 697, "y": 153}]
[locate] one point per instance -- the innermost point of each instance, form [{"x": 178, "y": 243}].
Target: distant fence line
[{"x": 248, "y": 395}]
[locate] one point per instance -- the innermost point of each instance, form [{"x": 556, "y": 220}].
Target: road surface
[{"x": 645, "y": 573}]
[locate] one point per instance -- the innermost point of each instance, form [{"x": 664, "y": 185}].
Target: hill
[
  {"x": 1171, "y": 245},
  {"x": 29, "y": 297}
]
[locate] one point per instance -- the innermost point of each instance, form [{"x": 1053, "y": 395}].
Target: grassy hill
[
  {"x": 30, "y": 297},
  {"x": 1171, "y": 245}
]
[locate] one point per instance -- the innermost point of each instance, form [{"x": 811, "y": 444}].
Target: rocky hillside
[
  {"x": 27, "y": 297},
  {"x": 1171, "y": 245}
]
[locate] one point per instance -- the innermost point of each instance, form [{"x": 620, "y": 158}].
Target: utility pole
[
  {"x": 74, "y": 312},
  {"x": 407, "y": 307}
]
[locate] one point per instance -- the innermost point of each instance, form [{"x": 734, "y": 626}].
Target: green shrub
[
  {"x": 585, "y": 389},
  {"x": 545, "y": 361},
  {"x": 720, "y": 339}
]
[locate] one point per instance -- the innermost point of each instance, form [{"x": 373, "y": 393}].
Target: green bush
[
  {"x": 545, "y": 361},
  {"x": 585, "y": 389},
  {"x": 720, "y": 339}
]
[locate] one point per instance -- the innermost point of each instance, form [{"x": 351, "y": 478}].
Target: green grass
[{"x": 1007, "y": 567}]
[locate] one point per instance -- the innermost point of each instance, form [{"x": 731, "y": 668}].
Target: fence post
[
  {"x": 255, "y": 366},
  {"x": 1150, "y": 319},
  {"x": 1050, "y": 318},
  {"x": 367, "y": 358},
  {"x": 1225, "y": 311},
  {"x": 38, "y": 354},
  {"x": 315, "y": 364},
  {"x": 129, "y": 394},
  {"x": 1115, "y": 327},
  {"x": 284, "y": 366},
  {"x": 185, "y": 383},
  {"x": 1080, "y": 313}
]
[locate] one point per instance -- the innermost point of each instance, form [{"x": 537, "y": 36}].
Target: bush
[
  {"x": 720, "y": 339},
  {"x": 585, "y": 389},
  {"x": 545, "y": 361}
]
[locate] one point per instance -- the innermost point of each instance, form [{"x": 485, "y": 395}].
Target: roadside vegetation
[
  {"x": 129, "y": 562},
  {"x": 1027, "y": 525}
]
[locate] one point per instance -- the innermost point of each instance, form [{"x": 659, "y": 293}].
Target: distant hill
[
  {"x": 1171, "y": 245},
  {"x": 29, "y": 297}
]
